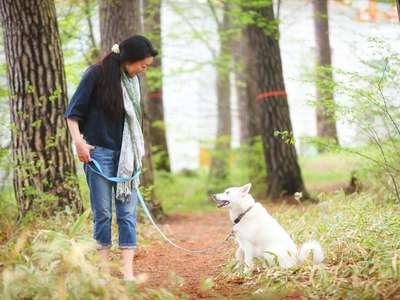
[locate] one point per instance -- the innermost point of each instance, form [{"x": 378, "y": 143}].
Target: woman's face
[{"x": 139, "y": 66}]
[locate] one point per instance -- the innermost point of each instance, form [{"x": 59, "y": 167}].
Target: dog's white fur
[{"x": 258, "y": 234}]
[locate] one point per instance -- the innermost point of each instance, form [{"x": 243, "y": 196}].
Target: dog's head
[{"x": 232, "y": 196}]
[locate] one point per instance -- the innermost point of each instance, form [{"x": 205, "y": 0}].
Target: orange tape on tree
[
  {"x": 265, "y": 95},
  {"x": 155, "y": 96}
]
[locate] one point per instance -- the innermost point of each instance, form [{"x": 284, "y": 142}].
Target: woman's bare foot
[
  {"x": 104, "y": 264},
  {"x": 127, "y": 259}
]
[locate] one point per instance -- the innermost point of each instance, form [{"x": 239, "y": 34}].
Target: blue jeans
[{"x": 101, "y": 194}]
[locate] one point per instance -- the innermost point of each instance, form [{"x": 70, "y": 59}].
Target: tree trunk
[
  {"x": 252, "y": 107},
  {"x": 219, "y": 160},
  {"x": 249, "y": 116},
  {"x": 44, "y": 165},
  {"x": 148, "y": 171},
  {"x": 398, "y": 8},
  {"x": 238, "y": 52},
  {"x": 326, "y": 123},
  {"x": 120, "y": 19},
  {"x": 154, "y": 96},
  {"x": 265, "y": 69}
]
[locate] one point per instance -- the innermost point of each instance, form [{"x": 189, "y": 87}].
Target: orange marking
[
  {"x": 264, "y": 95},
  {"x": 155, "y": 96}
]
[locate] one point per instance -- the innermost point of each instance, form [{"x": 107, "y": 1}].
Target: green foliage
[
  {"x": 248, "y": 165},
  {"x": 286, "y": 136},
  {"x": 206, "y": 284},
  {"x": 56, "y": 258},
  {"x": 73, "y": 17},
  {"x": 52, "y": 264},
  {"x": 248, "y": 13},
  {"x": 367, "y": 100},
  {"x": 242, "y": 165},
  {"x": 329, "y": 170},
  {"x": 185, "y": 191}
]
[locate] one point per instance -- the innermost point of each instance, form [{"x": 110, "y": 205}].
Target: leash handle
[{"x": 147, "y": 212}]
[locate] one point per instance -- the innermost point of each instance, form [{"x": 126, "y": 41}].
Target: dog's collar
[{"x": 241, "y": 215}]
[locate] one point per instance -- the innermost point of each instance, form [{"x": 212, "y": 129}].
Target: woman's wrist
[{"x": 78, "y": 142}]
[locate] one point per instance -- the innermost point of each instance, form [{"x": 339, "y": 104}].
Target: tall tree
[
  {"x": 266, "y": 86},
  {"x": 119, "y": 19},
  {"x": 154, "y": 99},
  {"x": 44, "y": 165},
  {"x": 252, "y": 108},
  {"x": 238, "y": 56},
  {"x": 219, "y": 161},
  {"x": 326, "y": 123},
  {"x": 398, "y": 8}
]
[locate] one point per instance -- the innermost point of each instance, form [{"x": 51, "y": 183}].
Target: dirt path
[{"x": 191, "y": 230}]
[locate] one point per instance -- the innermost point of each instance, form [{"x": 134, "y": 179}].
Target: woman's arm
[
  {"x": 77, "y": 108},
  {"x": 82, "y": 149}
]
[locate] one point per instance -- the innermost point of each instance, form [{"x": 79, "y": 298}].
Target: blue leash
[
  {"x": 146, "y": 210},
  {"x": 115, "y": 179}
]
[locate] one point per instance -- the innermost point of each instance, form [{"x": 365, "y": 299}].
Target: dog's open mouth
[{"x": 222, "y": 203}]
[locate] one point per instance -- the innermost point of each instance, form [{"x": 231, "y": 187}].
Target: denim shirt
[{"x": 96, "y": 128}]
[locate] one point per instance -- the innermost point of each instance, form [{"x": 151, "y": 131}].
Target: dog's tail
[{"x": 315, "y": 248}]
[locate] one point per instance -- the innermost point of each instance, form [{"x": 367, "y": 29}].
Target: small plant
[{"x": 369, "y": 102}]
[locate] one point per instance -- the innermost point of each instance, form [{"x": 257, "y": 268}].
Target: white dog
[{"x": 258, "y": 234}]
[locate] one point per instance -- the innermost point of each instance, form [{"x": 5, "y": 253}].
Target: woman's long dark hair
[
  {"x": 132, "y": 49},
  {"x": 110, "y": 87}
]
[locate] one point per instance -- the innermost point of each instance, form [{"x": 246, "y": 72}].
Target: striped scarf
[{"x": 132, "y": 148}]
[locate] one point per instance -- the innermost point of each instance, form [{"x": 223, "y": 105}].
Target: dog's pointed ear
[{"x": 246, "y": 188}]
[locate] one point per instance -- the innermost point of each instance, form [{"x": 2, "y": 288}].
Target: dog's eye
[{"x": 227, "y": 192}]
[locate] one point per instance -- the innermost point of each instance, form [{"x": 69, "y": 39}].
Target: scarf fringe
[{"x": 125, "y": 190}]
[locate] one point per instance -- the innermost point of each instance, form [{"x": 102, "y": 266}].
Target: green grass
[
  {"x": 183, "y": 193},
  {"x": 329, "y": 170},
  {"x": 360, "y": 236}
]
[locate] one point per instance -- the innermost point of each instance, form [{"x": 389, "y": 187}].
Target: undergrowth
[{"x": 360, "y": 235}]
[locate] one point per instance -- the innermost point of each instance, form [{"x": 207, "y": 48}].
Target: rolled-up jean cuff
[
  {"x": 127, "y": 246},
  {"x": 101, "y": 246}
]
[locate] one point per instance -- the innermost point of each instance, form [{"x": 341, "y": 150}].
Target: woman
[{"x": 106, "y": 109}]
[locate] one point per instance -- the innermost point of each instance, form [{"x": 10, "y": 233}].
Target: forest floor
[
  {"x": 196, "y": 276},
  {"x": 177, "y": 270}
]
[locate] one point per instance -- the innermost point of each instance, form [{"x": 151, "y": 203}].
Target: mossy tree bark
[
  {"x": 44, "y": 175},
  {"x": 267, "y": 92}
]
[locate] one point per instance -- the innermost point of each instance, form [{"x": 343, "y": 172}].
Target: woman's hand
[{"x": 83, "y": 151}]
